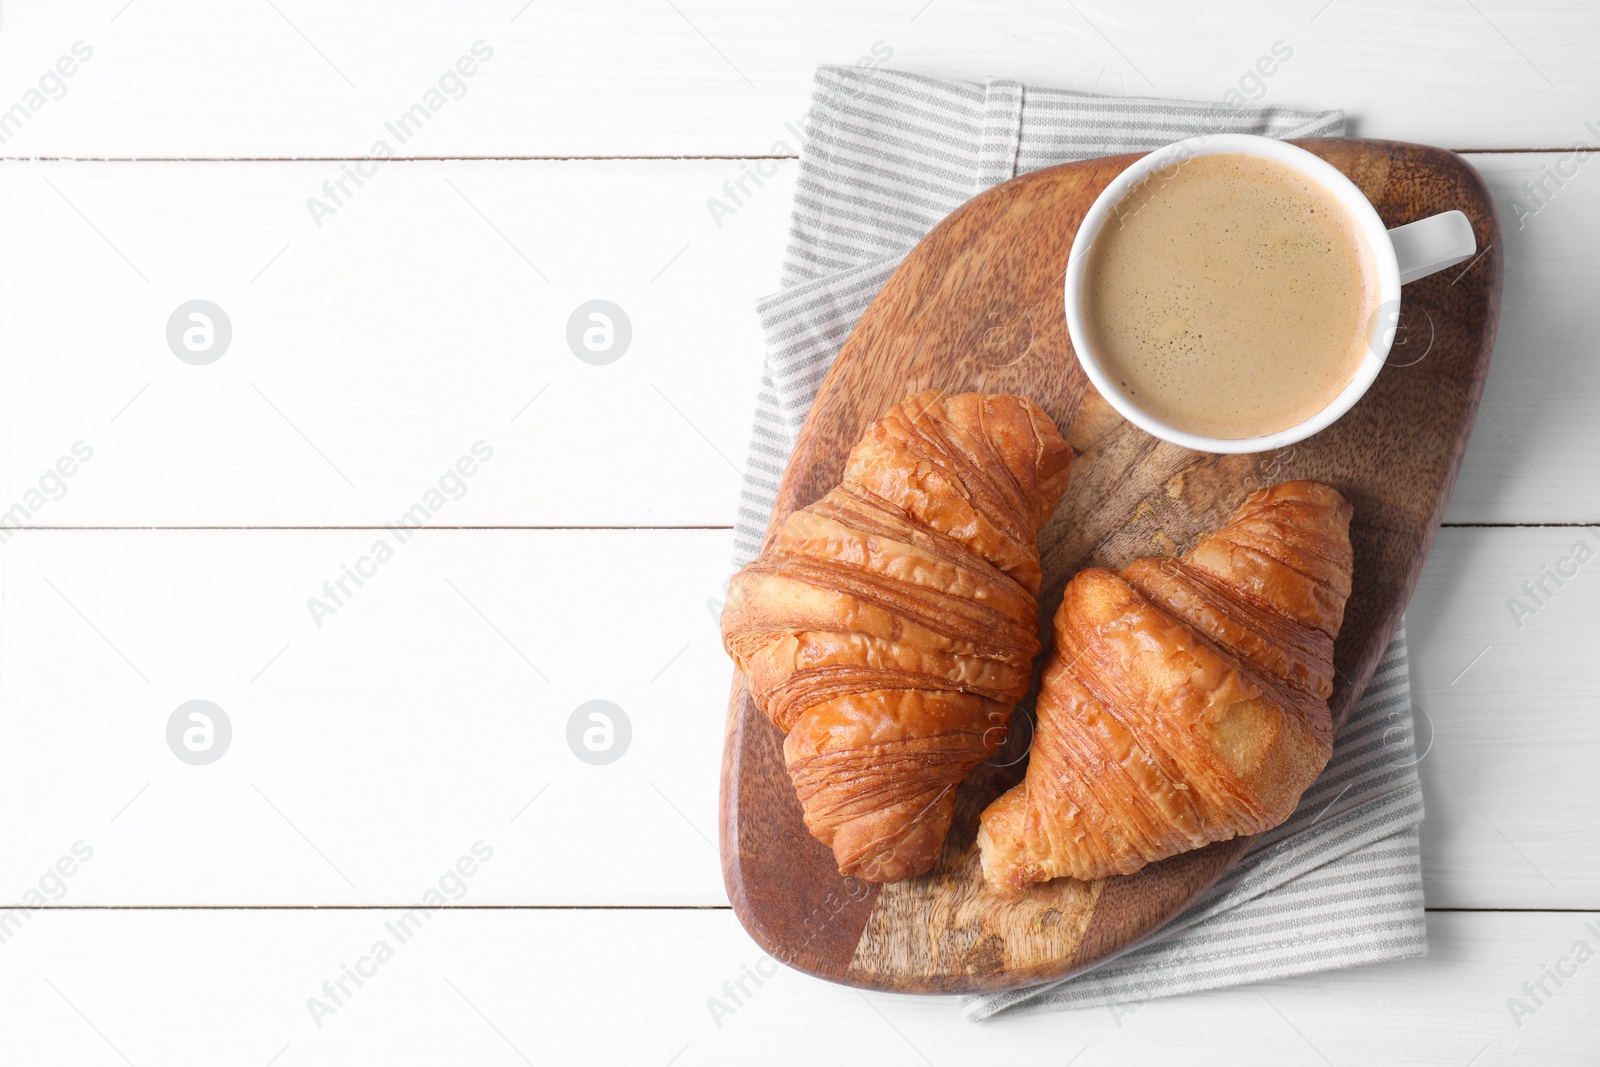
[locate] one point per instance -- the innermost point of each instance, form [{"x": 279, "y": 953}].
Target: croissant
[
  {"x": 1186, "y": 699},
  {"x": 890, "y": 627}
]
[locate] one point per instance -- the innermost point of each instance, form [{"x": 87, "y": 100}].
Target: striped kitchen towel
[{"x": 888, "y": 154}]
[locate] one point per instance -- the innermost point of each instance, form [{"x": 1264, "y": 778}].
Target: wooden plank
[
  {"x": 1504, "y": 688},
  {"x": 1529, "y": 456},
  {"x": 406, "y": 725},
  {"x": 366, "y": 356},
  {"x": 432, "y": 707},
  {"x": 480, "y": 987},
  {"x": 405, "y": 329},
  {"x": 187, "y": 79}
]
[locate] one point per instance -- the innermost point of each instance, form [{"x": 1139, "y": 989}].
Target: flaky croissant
[
  {"x": 890, "y": 627},
  {"x": 1185, "y": 701}
]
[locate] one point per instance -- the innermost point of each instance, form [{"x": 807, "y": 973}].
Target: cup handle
[{"x": 1432, "y": 244}]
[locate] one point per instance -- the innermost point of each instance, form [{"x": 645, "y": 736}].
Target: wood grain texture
[
  {"x": 202, "y": 988},
  {"x": 187, "y": 78},
  {"x": 431, "y": 731},
  {"x": 343, "y": 333},
  {"x": 977, "y": 306}
]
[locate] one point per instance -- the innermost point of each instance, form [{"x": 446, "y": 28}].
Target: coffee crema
[{"x": 1230, "y": 296}]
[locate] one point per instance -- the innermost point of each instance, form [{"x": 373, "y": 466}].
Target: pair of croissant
[{"x": 890, "y": 628}]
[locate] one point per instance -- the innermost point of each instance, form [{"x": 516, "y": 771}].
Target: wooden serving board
[{"x": 978, "y": 305}]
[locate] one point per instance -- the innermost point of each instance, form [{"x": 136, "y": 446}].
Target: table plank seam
[
  {"x": 712, "y": 527},
  {"x": 546, "y": 158},
  {"x": 594, "y": 907},
  {"x": 13, "y": 531}
]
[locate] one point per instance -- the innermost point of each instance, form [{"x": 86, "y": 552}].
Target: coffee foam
[{"x": 1230, "y": 295}]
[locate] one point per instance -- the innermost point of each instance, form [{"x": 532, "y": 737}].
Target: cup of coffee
[{"x": 1233, "y": 293}]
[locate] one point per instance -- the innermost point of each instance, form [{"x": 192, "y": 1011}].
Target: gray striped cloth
[{"x": 886, "y": 156}]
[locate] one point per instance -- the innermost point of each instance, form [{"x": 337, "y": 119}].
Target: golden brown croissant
[
  {"x": 1185, "y": 701},
  {"x": 890, "y": 627}
]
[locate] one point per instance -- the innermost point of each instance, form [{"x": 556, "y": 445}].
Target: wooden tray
[{"x": 977, "y": 305}]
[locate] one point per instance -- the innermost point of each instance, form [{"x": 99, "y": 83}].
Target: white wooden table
[{"x": 419, "y": 721}]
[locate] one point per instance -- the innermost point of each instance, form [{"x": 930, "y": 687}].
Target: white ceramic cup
[{"x": 1402, "y": 254}]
